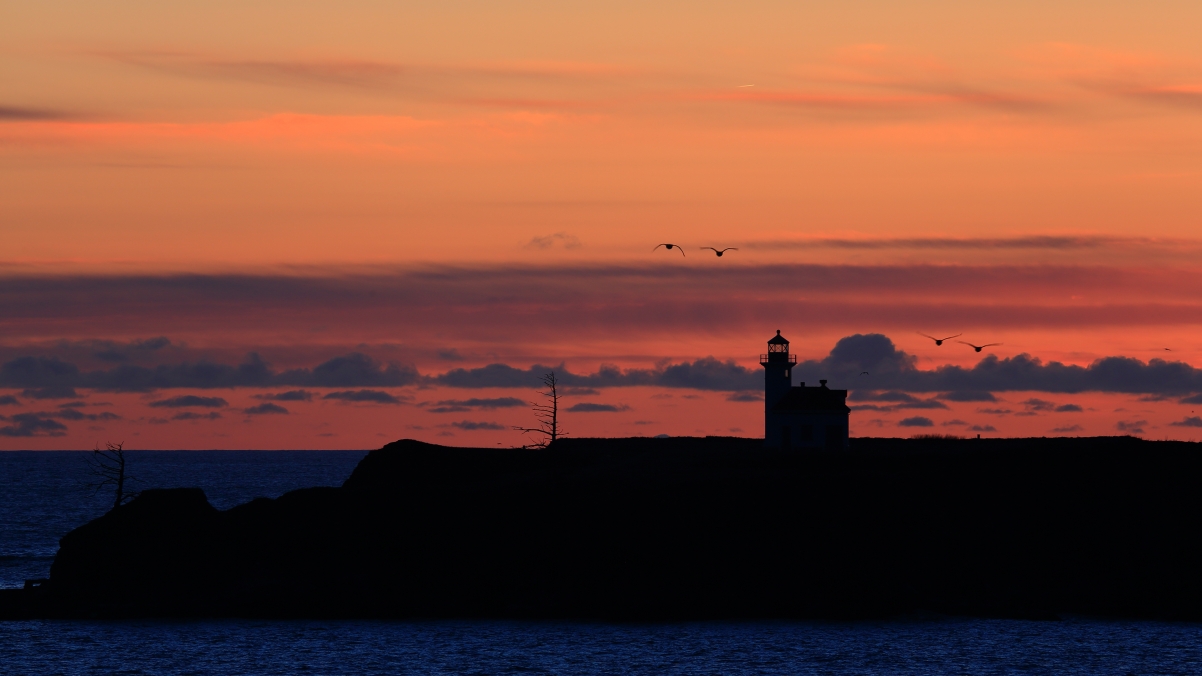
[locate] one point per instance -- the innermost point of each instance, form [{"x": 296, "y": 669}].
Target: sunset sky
[{"x": 333, "y": 225}]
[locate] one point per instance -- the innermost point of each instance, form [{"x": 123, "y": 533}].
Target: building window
[{"x": 807, "y": 433}]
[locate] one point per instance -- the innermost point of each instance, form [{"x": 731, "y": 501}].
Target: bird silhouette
[
  {"x": 669, "y": 247},
  {"x": 939, "y": 341},
  {"x": 720, "y": 252},
  {"x": 863, "y": 373},
  {"x": 977, "y": 347}
]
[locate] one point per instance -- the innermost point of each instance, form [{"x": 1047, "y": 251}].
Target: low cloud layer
[
  {"x": 894, "y": 369},
  {"x": 363, "y": 397},
  {"x": 563, "y": 239},
  {"x": 190, "y": 400},
  {"x": 1131, "y": 426},
  {"x": 290, "y": 395},
  {"x": 707, "y": 373},
  {"x": 475, "y": 403},
  {"x": 894, "y": 377},
  {"x": 895, "y": 401},
  {"x": 32, "y": 425},
  {"x": 50, "y": 392},
  {"x": 73, "y": 414},
  {"x": 470, "y": 426},
  {"x": 266, "y": 408},
  {"x": 41, "y": 373},
  {"x": 597, "y": 408},
  {"x": 189, "y": 415}
]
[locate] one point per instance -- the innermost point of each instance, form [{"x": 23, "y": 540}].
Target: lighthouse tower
[
  {"x": 778, "y": 370},
  {"x": 800, "y": 417}
]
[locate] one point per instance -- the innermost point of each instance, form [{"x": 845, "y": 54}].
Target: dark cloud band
[
  {"x": 1038, "y": 242},
  {"x": 19, "y": 114},
  {"x": 894, "y": 369},
  {"x": 516, "y": 302},
  {"x": 352, "y": 370},
  {"x": 894, "y": 373}
]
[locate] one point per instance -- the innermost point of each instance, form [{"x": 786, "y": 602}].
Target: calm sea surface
[{"x": 42, "y": 497}]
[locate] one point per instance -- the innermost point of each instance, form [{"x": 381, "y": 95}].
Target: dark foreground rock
[{"x": 669, "y": 529}]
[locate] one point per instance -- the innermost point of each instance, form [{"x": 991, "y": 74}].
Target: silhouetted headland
[{"x": 667, "y": 529}]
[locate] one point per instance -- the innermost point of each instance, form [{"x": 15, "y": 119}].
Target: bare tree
[
  {"x": 547, "y": 415},
  {"x": 108, "y": 471}
]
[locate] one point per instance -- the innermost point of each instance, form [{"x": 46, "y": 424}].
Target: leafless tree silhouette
[
  {"x": 547, "y": 415},
  {"x": 108, "y": 471}
]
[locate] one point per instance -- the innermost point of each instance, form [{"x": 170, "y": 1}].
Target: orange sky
[{"x": 496, "y": 176}]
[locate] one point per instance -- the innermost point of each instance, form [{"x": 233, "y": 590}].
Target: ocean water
[
  {"x": 42, "y": 496},
  {"x": 344, "y": 647}
]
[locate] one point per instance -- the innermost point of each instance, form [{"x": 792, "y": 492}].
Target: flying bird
[
  {"x": 939, "y": 341},
  {"x": 729, "y": 248},
  {"x": 977, "y": 347},
  {"x": 669, "y": 247},
  {"x": 863, "y": 373}
]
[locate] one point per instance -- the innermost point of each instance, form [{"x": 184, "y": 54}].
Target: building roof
[
  {"x": 778, "y": 340},
  {"x": 812, "y": 400}
]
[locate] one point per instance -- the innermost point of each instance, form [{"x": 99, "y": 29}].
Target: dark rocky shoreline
[{"x": 667, "y": 529}]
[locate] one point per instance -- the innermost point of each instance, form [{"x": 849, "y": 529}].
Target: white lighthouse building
[{"x": 800, "y": 417}]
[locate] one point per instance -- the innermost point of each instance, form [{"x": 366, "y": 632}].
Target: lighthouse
[
  {"x": 801, "y": 417},
  {"x": 778, "y": 370}
]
